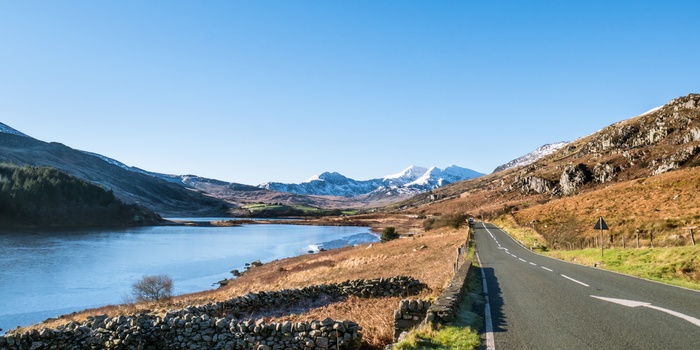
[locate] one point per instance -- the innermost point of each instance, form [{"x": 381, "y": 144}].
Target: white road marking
[
  {"x": 533, "y": 264},
  {"x": 521, "y": 259},
  {"x": 490, "y": 343},
  {"x": 571, "y": 279},
  {"x": 513, "y": 255},
  {"x": 632, "y": 303},
  {"x": 550, "y": 270}
]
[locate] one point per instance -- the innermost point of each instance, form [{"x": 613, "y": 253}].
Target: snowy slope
[
  {"x": 5, "y": 129},
  {"x": 532, "y": 156},
  {"x": 412, "y": 180}
]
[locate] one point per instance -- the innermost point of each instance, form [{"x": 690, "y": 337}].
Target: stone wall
[
  {"x": 409, "y": 314},
  {"x": 444, "y": 309},
  {"x": 216, "y": 325},
  {"x": 190, "y": 332}
]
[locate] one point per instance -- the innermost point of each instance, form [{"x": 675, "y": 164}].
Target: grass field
[{"x": 673, "y": 265}]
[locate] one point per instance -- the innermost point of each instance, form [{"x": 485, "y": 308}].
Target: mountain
[
  {"x": 194, "y": 195},
  {"x": 641, "y": 174},
  {"x": 410, "y": 181},
  {"x": 532, "y": 156},
  {"x": 127, "y": 184},
  {"x": 5, "y": 129}
]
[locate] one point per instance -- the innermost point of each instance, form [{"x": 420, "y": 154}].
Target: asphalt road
[{"x": 541, "y": 303}]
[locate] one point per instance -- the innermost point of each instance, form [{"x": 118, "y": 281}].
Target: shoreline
[{"x": 214, "y": 283}]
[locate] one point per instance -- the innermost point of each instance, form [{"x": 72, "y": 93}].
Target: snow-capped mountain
[
  {"x": 326, "y": 184},
  {"x": 411, "y": 180},
  {"x": 532, "y": 156},
  {"x": 8, "y": 130}
]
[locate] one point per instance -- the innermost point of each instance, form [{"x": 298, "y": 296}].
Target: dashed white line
[
  {"x": 573, "y": 280},
  {"x": 550, "y": 270},
  {"x": 533, "y": 264},
  {"x": 521, "y": 259},
  {"x": 513, "y": 255}
]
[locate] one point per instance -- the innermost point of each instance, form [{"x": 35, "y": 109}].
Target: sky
[{"x": 258, "y": 91}]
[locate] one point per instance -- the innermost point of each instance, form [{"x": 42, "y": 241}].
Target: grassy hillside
[
  {"x": 665, "y": 206},
  {"x": 46, "y": 197}
]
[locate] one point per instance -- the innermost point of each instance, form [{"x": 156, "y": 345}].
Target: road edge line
[{"x": 488, "y": 322}]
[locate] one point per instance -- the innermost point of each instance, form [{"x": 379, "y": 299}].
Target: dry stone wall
[
  {"x": 444, "y": 309},
  {"x": 216, "y": 325},
  {"x": 409, "y": 314}
]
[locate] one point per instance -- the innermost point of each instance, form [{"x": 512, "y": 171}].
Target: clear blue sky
[{"x": 256, "y": 91}]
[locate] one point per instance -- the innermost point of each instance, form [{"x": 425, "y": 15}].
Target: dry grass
[
  {"x": 431, "y": 265},
  {"x": 374, "y": 315},
  {"x": 665, "y": 205}
]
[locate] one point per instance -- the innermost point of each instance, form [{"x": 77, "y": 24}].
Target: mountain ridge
[
  {"x": 412, "y": 180},
  {"x": 640, "y": 173},
  {"x": 533, "y": 156}
]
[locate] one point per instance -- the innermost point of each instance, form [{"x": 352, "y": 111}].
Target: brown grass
[
  {"x": 431, "y": 265},
  {"x": 665, "y": 205}
]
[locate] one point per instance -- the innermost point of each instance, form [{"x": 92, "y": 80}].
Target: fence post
[{"x": 692, "y": 238}]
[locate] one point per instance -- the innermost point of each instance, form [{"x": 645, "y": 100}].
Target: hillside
[
  {"x": 641, "y": 173},
  {"x": 129, "y": 186},
  {"x": 46, "y": 197}
]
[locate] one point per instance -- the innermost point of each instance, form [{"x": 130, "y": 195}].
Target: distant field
[{"x": 268, "y": 210}]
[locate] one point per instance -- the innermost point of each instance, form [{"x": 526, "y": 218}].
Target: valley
[{"x": 641, "y": 175}]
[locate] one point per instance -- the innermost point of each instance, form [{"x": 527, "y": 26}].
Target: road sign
[{"x": 600, "y": 224}]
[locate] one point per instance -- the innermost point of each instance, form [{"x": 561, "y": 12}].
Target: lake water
[{"x": 47, "y": 274}]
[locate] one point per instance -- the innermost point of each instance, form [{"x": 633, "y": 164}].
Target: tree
[
  {"x": 389, "y": 233},
  {"x": 153, "y": 288}
]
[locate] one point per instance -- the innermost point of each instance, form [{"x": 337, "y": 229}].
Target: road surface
[{"x": 537, "y": 302}]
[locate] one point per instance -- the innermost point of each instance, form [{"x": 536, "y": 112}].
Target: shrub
[
  {"x": 154, "y": 288},
  {"x": 389, "y": 233},
  {"x": 452, "y": 220}
]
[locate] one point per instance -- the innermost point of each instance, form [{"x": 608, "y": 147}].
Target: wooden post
[
  {"x": 637, "y": 238},
  {"x": 651, "y": 239},
  {"x": 692, "y": 238},
  {"x": 623, "y": 241},
  {"x": 602, "y": 243}
]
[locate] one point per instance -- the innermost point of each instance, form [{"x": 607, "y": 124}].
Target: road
[{"x": 538, "y": 302}]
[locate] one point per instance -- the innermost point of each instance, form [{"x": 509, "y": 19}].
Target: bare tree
[{"x": 153, "y": 288}]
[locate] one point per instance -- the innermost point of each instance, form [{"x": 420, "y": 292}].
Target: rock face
[
  {"x": 574, "y": 177},
  {"x": 661, "y": 140},
  {"x": 216, "y": 326}
]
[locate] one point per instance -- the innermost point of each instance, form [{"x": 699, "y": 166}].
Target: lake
[{"x": 50, "y": 273}]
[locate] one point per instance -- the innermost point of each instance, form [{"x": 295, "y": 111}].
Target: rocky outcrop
[
  {"x": 604, "y": 172},
  {"x": 677, "y": 160},
  {"x": 533, "y": 184},
  {"x": 573, "y": 178},
  {"x": 221, "y": 325}
]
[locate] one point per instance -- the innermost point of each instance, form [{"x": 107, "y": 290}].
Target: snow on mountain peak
[
  {"x": 6, "y": 129},
  {"x": 533, "y": 156},
  {"x": 413, "y": 172},
  {"x": 327, "y": 176}
]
